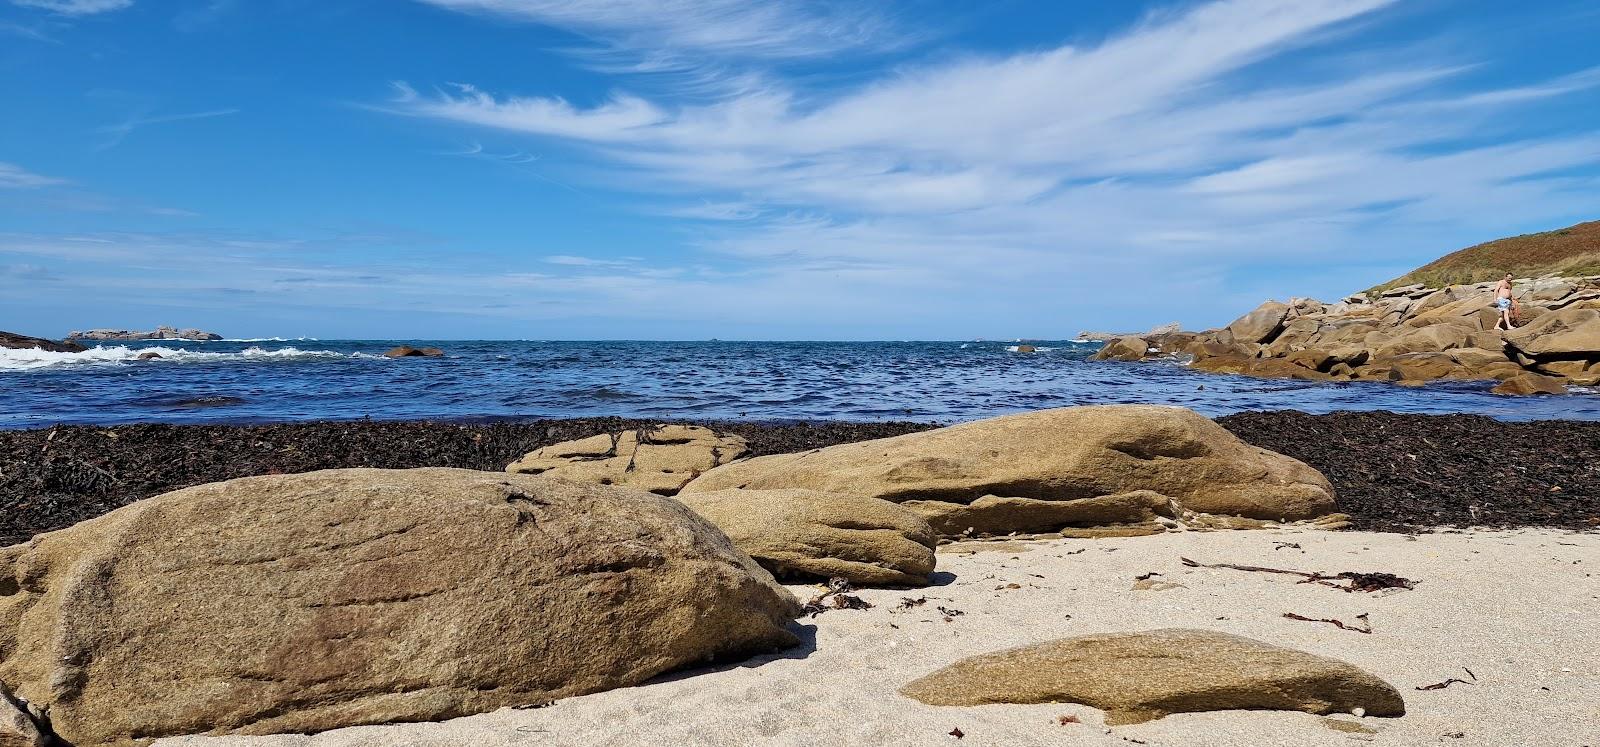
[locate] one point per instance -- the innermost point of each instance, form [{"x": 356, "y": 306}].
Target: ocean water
[{"x": 253, "y": 381}]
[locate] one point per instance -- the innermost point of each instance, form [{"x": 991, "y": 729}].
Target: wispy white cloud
[
  {"x": 476, "y": 150},
  {"x": 720, "y": 211},
  {"x": 576, "y": 261},
  {"x": 75, "y": 7},
  {"x": 661, "y": 30},
  {"x": 118, "y": 132},
  {"x": 1167, "y": 141},
  {"x": 967, "y": 134},
  {"x": 13, "y": 176}
]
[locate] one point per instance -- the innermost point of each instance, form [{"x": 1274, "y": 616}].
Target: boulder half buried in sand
[
  {"x": 659, "y": 459},
  {"x": 301, "y": 603},
  {"x": 1065, "y": 454},
  {"x": 865, "y": 540},
  {"x": 1136, "y": 677}
]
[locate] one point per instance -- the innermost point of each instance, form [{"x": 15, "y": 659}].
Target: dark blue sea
[{"x": 258, "y": 381}]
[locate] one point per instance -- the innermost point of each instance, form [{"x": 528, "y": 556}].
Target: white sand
[{"x": 1520, "y": 609}]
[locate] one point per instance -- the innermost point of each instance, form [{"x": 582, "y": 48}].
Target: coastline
[{"x": 1392, "y": 472}]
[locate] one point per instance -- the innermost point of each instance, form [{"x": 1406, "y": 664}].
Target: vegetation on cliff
[{"x": 1568, "y": 252}]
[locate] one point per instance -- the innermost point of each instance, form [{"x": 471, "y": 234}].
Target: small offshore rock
[{"x": 406, "y": 351}]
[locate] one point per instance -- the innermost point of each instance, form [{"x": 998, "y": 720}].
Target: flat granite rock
[
  {"x": 302, "y": 603},
  {"x": 1137, "y": 677},
  {"x": 864, "y": 540},
  {"x": 660, "y": 460},
  {"x": 1065, "y": 454}
]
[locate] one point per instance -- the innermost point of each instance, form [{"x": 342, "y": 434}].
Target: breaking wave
[{"x": 23, "y": 360}]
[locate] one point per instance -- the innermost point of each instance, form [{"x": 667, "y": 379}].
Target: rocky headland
[
  {"x": 1414, "y": 332},
  {"x": 160, "y": 333}
]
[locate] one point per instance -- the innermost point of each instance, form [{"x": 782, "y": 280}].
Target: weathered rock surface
[
  {"x": 1408, "y": 335},
  {"x": 22, "y": 724},
  {"x": 1136, "y": 677},
  {"x": 1124, "y": 349},
  {"x": 865, "y": 540},
  {"x": 1067, "y": 454},
  {"x": 1560, "y": 335},
  {"x": 160, "y": 333},
  {"x": 406, "y": 351},
  {"x": 1530, "y": 383},
  {"x": 300, "y": 603},
  {"x": 23, "y": 342},
  {"x": 661, "y": 459},
  {"x": 1261, "y": 325},
  {"x": 996, "y": 515}
]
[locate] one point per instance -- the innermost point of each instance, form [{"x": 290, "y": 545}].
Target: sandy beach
[{"x": 1516, "y": 608}]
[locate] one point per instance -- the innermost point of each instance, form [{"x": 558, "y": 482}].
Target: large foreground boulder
[
  {"x": 300, "y": 603},
  {"x": 1065, "y": 454},
  {"x": 1136, "y": 677},
  {"x": 661, "y": 459},
  {"x": 823, "y": 535}
]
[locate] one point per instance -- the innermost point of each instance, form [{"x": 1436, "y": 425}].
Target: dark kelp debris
[
  {"x": 1352, "y": 581},
  {"x": 1451, "y": 681},
  {"x": 957, "y": 733},
  {"x": 1336, "y": 623},
  {"x": 907, "y": 603},
  {"x": 835, "y": 597},
  {"x": 1387, "y": 468},
  {"x": 1406, "y": 473}
]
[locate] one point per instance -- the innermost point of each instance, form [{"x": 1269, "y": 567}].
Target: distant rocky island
[
  {"x": 1436, "y": 322},
  {"x": 160, "y": 333}
]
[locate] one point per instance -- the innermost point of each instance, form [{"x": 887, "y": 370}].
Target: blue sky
[{"x": 687, "y": 169}]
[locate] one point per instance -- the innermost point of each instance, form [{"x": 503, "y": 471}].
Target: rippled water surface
[{"x": 262, "y": 381}]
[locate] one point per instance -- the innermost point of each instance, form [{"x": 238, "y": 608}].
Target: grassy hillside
[{"x": 1574, "y": 250}]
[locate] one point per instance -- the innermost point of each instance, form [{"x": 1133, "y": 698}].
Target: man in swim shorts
[{"x": 1504, "y": 302}]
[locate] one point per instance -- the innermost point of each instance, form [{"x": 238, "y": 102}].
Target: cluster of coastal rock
[
  {"x": 160, "y": 333},
  {"x": 16, "y": 341},
  {"x": 1407, "y": 335},
  {"x": 301, "y": 603}
]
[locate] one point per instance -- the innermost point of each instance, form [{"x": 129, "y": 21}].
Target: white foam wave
[
  {"x": 269, "y": 339},
  {"x": 23, "y": 360}
]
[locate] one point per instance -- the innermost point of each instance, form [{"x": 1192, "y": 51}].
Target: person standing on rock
[{"x": 1505, "y": 303}]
